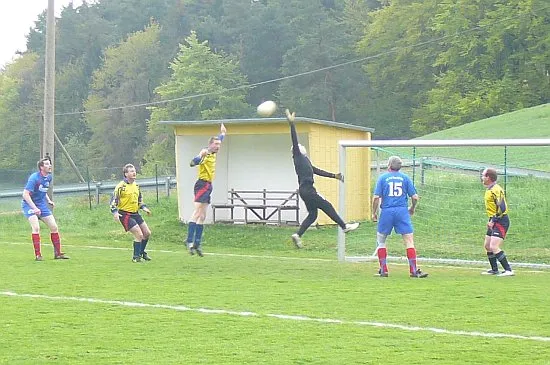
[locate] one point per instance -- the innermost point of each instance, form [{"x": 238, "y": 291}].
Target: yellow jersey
[
  {"x": 495, "y": 201},
  {"x": 126, "y": 197},
  {"x": 207, "y": 167}
]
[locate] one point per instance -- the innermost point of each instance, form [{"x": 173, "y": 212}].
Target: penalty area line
[{"x": 297, "y": 318}]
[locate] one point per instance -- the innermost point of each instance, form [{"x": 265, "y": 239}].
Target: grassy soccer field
[{"x": 253, "y": 299}]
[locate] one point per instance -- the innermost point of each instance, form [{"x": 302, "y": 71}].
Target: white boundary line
[
  {"x": 279, "y": 316},
  {"x": 396, "y": 260}
]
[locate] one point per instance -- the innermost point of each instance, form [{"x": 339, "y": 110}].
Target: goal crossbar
[{"x": 445, "y": 142}]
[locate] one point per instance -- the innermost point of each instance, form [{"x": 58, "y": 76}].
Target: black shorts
[
  {"x": 500, "y": 228},
  {"x": 129, "y": 220},
  {"x": 203, "y": 190}
]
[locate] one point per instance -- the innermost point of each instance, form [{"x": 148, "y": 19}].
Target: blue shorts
[
  {"x": 43, "y": 206},
  {"x": 203, "y": 190},
  {"x": 395, "y": 218}
]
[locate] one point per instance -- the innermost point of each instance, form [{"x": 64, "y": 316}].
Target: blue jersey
[
  {"x": 394, "y": 188},
  {"x": 38, "y": 186}
]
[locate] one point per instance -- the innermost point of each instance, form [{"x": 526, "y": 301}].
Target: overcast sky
[{"x": 16, "y": 18}]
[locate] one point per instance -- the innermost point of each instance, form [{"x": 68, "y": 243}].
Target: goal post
[{"x": 511, "y": 149}]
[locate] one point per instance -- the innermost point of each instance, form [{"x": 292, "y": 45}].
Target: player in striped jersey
[
  {"x": 126, "y": 202},
  {"x": 206, "y": 162},
  {"x": 498, "y": 224}
]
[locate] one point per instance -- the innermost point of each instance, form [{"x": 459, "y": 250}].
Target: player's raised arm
[
  {"x": 223, "y": 132},
  {"x": 293, "y": 135}
]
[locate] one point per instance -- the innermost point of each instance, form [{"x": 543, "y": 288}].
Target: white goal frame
[{"x": 344, "y": 144}]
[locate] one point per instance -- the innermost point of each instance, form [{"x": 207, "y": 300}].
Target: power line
[{"x": 338, "y": 65}]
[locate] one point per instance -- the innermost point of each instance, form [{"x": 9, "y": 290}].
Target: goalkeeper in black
[{"x": 308, "y": 193}]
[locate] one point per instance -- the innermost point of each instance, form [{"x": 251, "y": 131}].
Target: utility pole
[{"x": 48, "y": 142}]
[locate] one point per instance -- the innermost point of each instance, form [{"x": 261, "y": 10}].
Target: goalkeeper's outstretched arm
[{"x": 293, "y": 135}]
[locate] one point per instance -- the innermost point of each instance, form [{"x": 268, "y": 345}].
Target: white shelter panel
[{"x": 187, "y": 148}]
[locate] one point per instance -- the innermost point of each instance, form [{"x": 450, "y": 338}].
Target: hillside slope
[{"x": 525, "y": 123}]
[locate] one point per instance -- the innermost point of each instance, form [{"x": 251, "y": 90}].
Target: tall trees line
[{"x": 408, "y": 68}]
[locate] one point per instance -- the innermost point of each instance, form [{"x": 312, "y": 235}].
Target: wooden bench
[{"x": 260, "y": 206}]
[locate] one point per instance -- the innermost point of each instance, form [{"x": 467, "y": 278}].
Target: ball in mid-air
[{"x": 267, "y": 108}]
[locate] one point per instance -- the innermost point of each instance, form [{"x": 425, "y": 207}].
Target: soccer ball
[{"x": 267, "y": 108}]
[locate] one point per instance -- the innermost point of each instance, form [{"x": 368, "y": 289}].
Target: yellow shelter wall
[{"x": 323, "y": 144}]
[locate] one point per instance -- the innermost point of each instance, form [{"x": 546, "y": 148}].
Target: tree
[
  {"x": 128, "y": 76},
  {"x": 500, "y": 66},
  {"x": 19, "y": 115},
  {"x": 198, "y": 89},
  {"x": 257, "y": 35},
  {"x": 323, "y": 41},
  {"x": 399, "y": 65}
]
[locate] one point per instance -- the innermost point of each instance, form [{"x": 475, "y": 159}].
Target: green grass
[
  {"x": 99, "y": 308},
  {"x": 525, "y": 123},
  {"x": 250, "y": 269}
]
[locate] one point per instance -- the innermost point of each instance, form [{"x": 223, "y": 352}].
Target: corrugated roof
[{"x": 265, "y": 121}]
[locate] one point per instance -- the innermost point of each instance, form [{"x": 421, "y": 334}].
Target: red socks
[
  {"x": 382, "y": 256},
  {"x": 411, "y": 255},
  {"x": 36, "y": 244},
  {"x": 56, "y": 243}
]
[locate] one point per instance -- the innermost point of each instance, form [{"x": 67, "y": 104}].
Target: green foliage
[
  {"x": 196, "y": 70},
  {"x": 425, "y": 66},
  {"x": 19, "y": 117},
  {"x": 490, "y": 71},
  {"x": 398, "y": 72},
  {"x": 257, "y": 35},
  {"x": 8, "y": 95},
  {"x": 332, "y": 94},
  {"x": 130, "y": 70}
]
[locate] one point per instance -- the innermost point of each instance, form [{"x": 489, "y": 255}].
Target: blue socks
[
  {"x": 191, "y": 232},
  {"x": 137, "y": 249},
  {"x": 198, "y": 234},
  {"x": 501, "y": 257},
  {"x": 492, "y": 260},
  {"x": 194, "y": 234},
  {"x": 143, "y": 245}
]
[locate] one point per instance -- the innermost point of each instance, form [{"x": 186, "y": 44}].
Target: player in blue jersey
[
  {"x": 498, "y": 224},
  {"x": 36, "y": 205},
  {"x": 394, "y": 188}
]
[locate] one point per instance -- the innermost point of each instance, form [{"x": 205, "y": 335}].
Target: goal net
[{"x": 450, "y": 218}]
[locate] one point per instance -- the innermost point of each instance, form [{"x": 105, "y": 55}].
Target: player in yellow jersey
[
  {"x": 497, "y": 226},
  {"x": 126, "y": 202},
  {"x": 206, "y": 161}
]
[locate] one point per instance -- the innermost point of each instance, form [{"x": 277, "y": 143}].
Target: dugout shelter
[{"x": 256, "y": 155}]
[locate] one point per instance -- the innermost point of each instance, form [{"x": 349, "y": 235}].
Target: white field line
[
  {"x": 278, "y": 316},
  {"x": 396, "y": 260}
]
